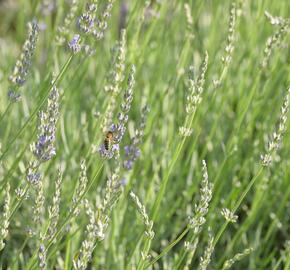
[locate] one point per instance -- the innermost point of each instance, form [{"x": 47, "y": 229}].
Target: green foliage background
[{"x": 230, "y": 130}]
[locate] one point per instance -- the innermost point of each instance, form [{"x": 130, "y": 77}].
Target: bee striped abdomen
[{"x": 108, "y": 140}]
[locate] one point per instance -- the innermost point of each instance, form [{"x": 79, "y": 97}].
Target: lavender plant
[{"x": 59, "y": 220}]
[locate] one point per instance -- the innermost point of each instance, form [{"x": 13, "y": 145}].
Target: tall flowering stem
[
  {"x": 21, "y": 68},
  {"x": 115, "y": 80}
]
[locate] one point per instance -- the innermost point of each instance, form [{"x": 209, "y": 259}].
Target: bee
[{"x": 109, "y": 139}]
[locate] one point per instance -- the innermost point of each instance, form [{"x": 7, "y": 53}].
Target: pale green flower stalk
[
  {"x": 5, "y": 217},
  {"x": 196, "y": 222},
  {"x": 226, "y": 59},
  {"x": 80, "y": 189},
  {"x": 194, "y": 95},
  {"x": 64, "y": 31},
  {"x": 149, "y": 233},
  {"x": 274, "y": 40},
  {"x": 53, "y": 210},
  {"x": 205, "y": 259},
  {"x": 115, "y": 79},
  {"x": 230, "y": 45},
  {"x": 275, "y": 143},
  {"x": 142, "y": 211},
  {"x": 238, "y": 257}
]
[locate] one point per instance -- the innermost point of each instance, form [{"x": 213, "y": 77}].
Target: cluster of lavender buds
[
  {"x": 38, "y": 208},
  {"x": 87, "y": 19},
  {"x": 132, "y": 151},
  {"x": 74, "y": 45},
  {"x": 102, "y": 22},
  {"x": 119, "y": 129},
  {"x": 201, "y": 209},
  {"x": 226, "y": 59},
  {"x": 64, "y": 31},
  {"x": 274, "y": 40},
  {"x": 5, "y": 217},
  {"x": 42, "y": 257},
  {"x": 229, "y": 215},
  {"x": 48, "y": 6},
  {"x": 53, "y": 210},
  {"x": 116, "y": 76},
  {"x": 21, "y": 68},
  {"x": 89, "y": 24},
  {"x": 275, "y": 143},
  {"x": 44, "y": 148},
  {"x": 115, "y": 79}
]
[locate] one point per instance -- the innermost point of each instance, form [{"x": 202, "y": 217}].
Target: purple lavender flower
[
  {"x": 44, "y": 148},
  {"x": 33, "y": 177},
  {"x": 85, "y": 23},
  {"x": 74, "y": 44},
  {"x": 132, "y": 152}
]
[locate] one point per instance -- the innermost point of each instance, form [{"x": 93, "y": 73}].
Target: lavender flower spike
[
  {"x": 44, "y": 148},
  {"x": 74, "y": 44},
  {"x": 21, "y": 68},
  {"x": 132, "y": 151}
]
